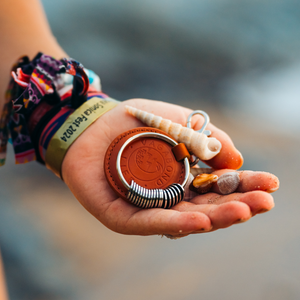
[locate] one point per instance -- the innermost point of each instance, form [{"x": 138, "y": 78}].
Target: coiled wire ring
[{"x": 149, "y": 198}]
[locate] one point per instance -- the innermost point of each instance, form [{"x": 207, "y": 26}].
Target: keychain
[
  {"x": 150, "y": 167},
  {"x": 147, "y": 167}
]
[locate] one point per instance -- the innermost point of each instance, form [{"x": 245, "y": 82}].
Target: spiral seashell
[
  {"x": 198, "y": 143},
  {"x": 228, "y": 182}
]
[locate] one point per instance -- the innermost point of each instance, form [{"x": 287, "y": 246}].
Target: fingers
[
  {"x": 262, "y": 181},
  {"x": 248, "y": 180},
  {"x": 204, "y": 213},
  {"x": 229, "y": 157},
  {"x": 257, "y": 201},
  {"x": 253, "y": 190},
  {"x": 123, "y": 217},
  {"x": 251, "y": 181},
  {"x": 221, "y": 216},
  {"x": 183, "y": 219}
]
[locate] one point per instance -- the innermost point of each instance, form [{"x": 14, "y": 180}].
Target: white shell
[{"x": 198, "y": 143}]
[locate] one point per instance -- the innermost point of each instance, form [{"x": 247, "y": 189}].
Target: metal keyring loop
[
  {"x": 206, "y": 121},
  {"x": 149, "y": 134},
  {"x": 202, "y": 130}
]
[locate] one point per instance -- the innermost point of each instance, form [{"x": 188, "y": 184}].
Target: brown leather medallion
[{"x": 148, "y": 161}]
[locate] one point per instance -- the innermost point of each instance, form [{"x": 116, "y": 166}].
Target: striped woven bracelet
[{"x": 49, "y": 103}]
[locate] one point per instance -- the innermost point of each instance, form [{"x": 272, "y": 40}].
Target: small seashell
[
  {"x": 202, "y": 183},
  {"x": 228, "y": 182},
  {"x": 198, "y": 143},
  {"x": 204, "y": 179}
]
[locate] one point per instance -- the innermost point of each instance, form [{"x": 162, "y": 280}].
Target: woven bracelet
[{"x": 45, "y": 111}]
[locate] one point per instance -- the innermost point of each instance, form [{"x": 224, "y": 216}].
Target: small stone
[{"x": 228, "y": 182}]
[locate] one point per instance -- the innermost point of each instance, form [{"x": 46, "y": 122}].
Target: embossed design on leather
[{"x": 149, "y": 162}]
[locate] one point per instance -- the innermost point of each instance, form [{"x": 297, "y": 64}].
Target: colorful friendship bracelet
[{"x": 45, "y": 111}]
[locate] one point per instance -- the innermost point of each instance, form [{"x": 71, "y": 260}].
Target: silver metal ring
[
  {"x": 149, "y": 134},
  {"x": 147, "y": 198},
  {"x": 206, "y": 121}
]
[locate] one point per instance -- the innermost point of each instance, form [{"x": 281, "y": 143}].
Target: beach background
[{"x": 237, "y": 60}]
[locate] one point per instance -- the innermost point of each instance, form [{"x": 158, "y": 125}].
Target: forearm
[{"x": 24, "y": 30}]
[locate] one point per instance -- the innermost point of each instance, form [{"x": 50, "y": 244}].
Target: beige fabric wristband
[{"x": 73, "y": 127}]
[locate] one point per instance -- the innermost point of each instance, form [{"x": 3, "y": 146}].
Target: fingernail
[
  {"x": 263, "y": 210},
  {"x": 242, "y": 160},
  {"x": 207, "y": 229},
  {"x": 272, "y": 190},
  {"x": 240, "y": 221}
]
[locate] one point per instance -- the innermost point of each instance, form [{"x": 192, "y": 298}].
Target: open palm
[{"x": 84, "y": 174}]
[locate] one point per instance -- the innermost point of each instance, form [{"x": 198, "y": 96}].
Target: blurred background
[{"x": 238, "y": 60}]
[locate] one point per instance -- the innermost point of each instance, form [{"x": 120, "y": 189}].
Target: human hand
[{"x": 83, "y": 172}]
